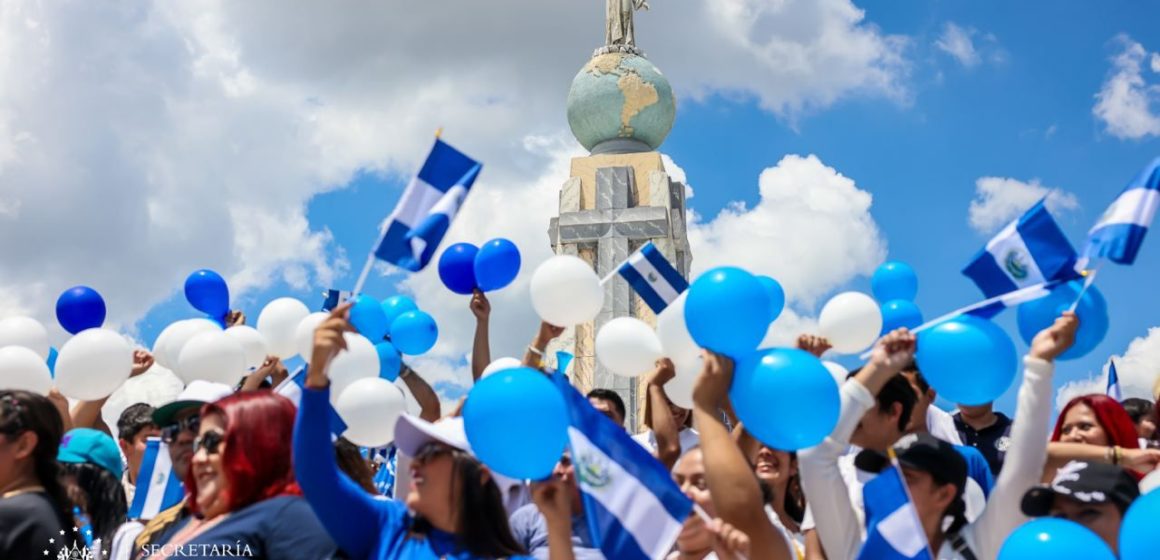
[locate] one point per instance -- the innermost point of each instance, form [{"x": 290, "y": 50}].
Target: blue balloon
[
  {"x": 390, "y": 362},
  {"x": 496, "y": 418},
  {"x": 1050, "y": 537},
  {"x": 727, "y": 311},
  {"x": 1092, "y": 310},
  {"x": 776, "y": 296},
  {"x": 457, "y": 268},
  {"x": 397, "y": 305},
  {"x": 785, "y": 397},
  {"x": 968, "y": 360},
  {"x": 207, "y": 292},
  {"x": 894, "y": 280},
  {"x": 414, "y": 333},
  {"x": 368, "y": 318},
  {"x": 496, "y": 264},
  {"x": 898, "y": 313},
  {"x": 80, "y": 308},
  {"x": 51, "y": 361},
  {"x": 1138, "y": 531}
]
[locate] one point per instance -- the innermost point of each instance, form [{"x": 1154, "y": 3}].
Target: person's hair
[
  {"x": 957, "y": 510},
  {"x": 22, "y": 411},
  {"x": 896, "y": 390},
  {"x": 133, "y": 419},
  {"x": 256, "y": 459},
  {"x": 919, "y": 380},
  {"x": 1137, "y": 409},
  {"x": 612, "y": 397},
  {"x": 481, "y": 521},
  {"x": 795, "y": 499},
  {"x": 351, "y": 462},
  {"x": 103, "y": 500},
  {"x": 1109, "y": 414}
]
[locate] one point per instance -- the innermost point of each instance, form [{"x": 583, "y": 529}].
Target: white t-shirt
[
  {"x": 688, "y": 436},
  {"x": 941, "y": 425}
]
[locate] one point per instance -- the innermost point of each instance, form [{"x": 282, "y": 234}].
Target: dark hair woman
[
  {"x": 92, "y": 476},
  {"x": 34, "y": 508}
]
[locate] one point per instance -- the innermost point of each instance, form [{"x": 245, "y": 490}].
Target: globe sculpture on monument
[{"x": 618, "y": 197}]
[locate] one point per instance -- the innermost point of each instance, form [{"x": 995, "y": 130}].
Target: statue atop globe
[{"x": 619, "y": 102}]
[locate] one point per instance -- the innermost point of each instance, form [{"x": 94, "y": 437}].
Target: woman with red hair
[
  {"x": 1095, "y": 428},
  {"x": 242, "y": 489}
]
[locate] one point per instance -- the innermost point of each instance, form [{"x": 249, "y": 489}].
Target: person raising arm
[{"x": 481, "y": 345}]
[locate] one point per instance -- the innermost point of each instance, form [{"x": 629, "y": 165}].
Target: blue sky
[{"x": 1018, "y": 104}]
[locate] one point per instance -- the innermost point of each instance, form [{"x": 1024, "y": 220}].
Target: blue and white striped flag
[
  {"x": 893, "y": 530},
  {"x": 652, "y": 277},
  {"x": 1114, "y": 391},
  {"x": 633, "y": 508},
  {"x": 1030, "y": 250},
  {"x": 292, "y": 388},
  {"x": 158, "y": 488},
  {"x": 334, "y": 298},
  {"x": 416, "y": 227},
  {"x": 1118, "y": 234}
]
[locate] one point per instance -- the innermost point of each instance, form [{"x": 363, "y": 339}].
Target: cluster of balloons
[
  {"x": 90, "y": 365},
  {"x": 895, "y": 284},
  {"x": 463, "y": 267}
]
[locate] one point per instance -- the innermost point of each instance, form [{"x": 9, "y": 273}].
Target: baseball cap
[
  {"x": 412, "y": 433},
  {"x": 1090, "y": 483},
  {"x": 923, "y": 452},
  {"x": 196, "y": 394},
  {"x": 86, "y": 445}
]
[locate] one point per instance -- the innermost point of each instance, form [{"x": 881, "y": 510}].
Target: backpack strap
[{"x": 959, "y": 544}]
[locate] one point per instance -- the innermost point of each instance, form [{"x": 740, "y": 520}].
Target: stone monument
[{"x": 619, "y": 197}]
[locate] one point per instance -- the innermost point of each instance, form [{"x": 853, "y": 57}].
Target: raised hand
[
  {"x": 1056, "y": 339},
  {"x": 142, "y": 361},
  {"x": 816, "y": 345},
  {"x": 553, "y": 500},
  {"x": 712, "y": 386},
  {"x": 328, "y": 342},
  {"x": 894, "y": 351},
  {"x": 1142, "y": 460},
  {"x": 235, "y": 318},
  {"x": 480, "y": 306},
  {"x": 729, "y": 543},
  {"x": 664, "y": 372}
]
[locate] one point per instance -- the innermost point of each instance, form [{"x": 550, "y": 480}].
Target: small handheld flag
[
  {"x": 1030, "y": 250},
  {"x": 334, "y": 298},
  {"x": 158, "y": 487},
  {"x": 1114, "y": 391},
  {"x": 1118, "y": 234},
  {"x": 893, "y": 530},
  {"x": 652, "y": 277}
]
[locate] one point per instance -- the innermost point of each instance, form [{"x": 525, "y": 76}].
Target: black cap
[
  {"x": 1089, "y": 483},
  {"x": 923, "y": 452}
]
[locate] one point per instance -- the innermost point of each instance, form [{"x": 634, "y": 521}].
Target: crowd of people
[{"x": 264, "y": 478}]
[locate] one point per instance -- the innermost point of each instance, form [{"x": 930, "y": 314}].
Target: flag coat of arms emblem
[{"x": 1029, "y": 251}]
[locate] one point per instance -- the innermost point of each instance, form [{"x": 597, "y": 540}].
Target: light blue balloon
[
  {"x": 414, "y": 333},
  {"x": 1092, "y": 311},
  {"x": 967, "y": 360},
  {"x": 1138, "y": 531},
  {"x": 898, "y": 313},
  {"x": 776, "y": 296},
  {"x": 728, "y": 311},
  {"x": 517, "y": 423},
  {"x": 51, "y": 361},
  {"x": 390, "y": 361},
  {"x": 894, "y": 280},
  {"x": 1058, "y": 539},
  {"x": 785, "y": 397},
  {"x": 368, "y": 318},
  {"x": 397, "y": 305}
]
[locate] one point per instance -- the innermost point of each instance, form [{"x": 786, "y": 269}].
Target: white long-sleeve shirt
[{"x": 842, "y": 533}]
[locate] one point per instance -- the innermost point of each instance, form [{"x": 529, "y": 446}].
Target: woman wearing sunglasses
[
  {"x": 453, "y": 508},
  {"x": 241, "y": 487}
]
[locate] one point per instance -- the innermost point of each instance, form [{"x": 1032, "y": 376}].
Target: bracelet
[
  {"x": 535, "y": 351},
  {"x": 1117, "y": 454}
]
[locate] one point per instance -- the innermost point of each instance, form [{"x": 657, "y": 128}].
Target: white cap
[
  {"x": 412, "y": 433},
  {"x": 197, "y": 393}
]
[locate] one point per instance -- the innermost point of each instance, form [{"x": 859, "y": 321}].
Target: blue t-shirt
[
  {"x": 531, "y": 530},
  {"x": 977, "y": 467},
  {"x": 282, "y": 527}
]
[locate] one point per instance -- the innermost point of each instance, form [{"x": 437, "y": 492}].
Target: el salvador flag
[
  {"x": 292, "y": 387},
  {"x": 416, "y": 227},
  {"x": 1030, "y": 250},
  {"x": 1114, "y": 391},
  {"x": 158, "y": 488},
  {"x": 633, "y": 508},
  {"x": 1118, "y": 234},
  {"x": 893, "y": 531},
  {"x": 334, "y": 298},
  {"x": 652, "y": 277}
]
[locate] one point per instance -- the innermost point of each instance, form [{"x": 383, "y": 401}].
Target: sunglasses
[
  {"x": 432, "y": 450},
  {"x": 169, "y": 433},
  {"x": 210, "y": 441}
]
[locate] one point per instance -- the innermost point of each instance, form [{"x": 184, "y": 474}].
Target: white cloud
[
  {"x": 1126, "y": 103},
  {"x": 1156, "y": 62},
  {"x": 957, "y": 42},
  {"x": 1137, "y": 370},
  {"x": 998, "y": 200}
]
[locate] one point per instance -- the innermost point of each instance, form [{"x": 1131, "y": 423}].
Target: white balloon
[
  {"x": 159, "y": 346},
  {"x": 93, "y": 364},
  {"x": 676, "y": 341},
  {"x": 851, "y": 322},
  {"x": 627, "y": 346},
  {"x": 252, "y": 342},
  {"x": 359, "y": 361},
  {"x": 26, "y": 332},
  {"x": 500, "y": 365},
  {"x": 23, "y": 369},
  {"x": 679, "y": 389},
  {"x": 304, "y": 333},
  {"x": 278, "y": 322},
  {"x": 370, "y": 407},
  {"x": 837, "y": 370},
  {"x": 213, "y": 356},
  {"x": 183, "y": 332},
  {"x": 566, "y": 291}
]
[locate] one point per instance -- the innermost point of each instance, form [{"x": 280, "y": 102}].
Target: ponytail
[{"x": 22, "y": 411}]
